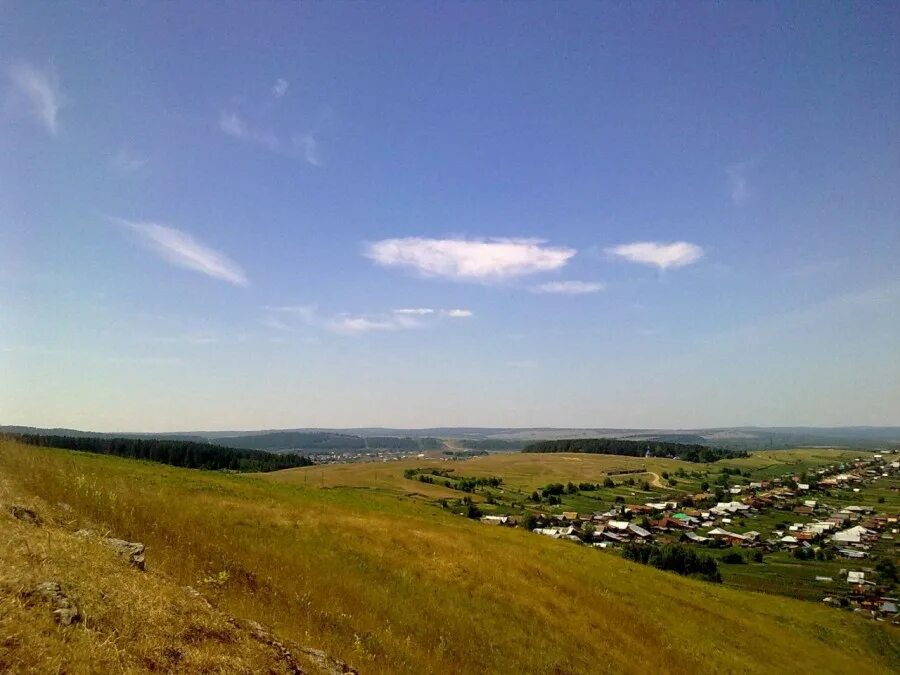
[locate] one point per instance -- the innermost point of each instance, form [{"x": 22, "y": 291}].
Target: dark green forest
[
  {"x": 614, "y": 446},
  {"x": 187, "y": 454}
]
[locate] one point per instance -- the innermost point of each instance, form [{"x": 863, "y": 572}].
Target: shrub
[{"x": 733, "y": 558}]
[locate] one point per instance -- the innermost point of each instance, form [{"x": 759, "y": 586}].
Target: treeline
[
  {"x": 186, "y": 454},
  {"x": 326, "y": 441},
  {"x": 492, "y": 444},
  {"x": 616, "y": 446},
  {"x": 674, "y": 558}
]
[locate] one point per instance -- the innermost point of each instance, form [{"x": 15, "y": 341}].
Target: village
[{"x": 801, "y": 517}]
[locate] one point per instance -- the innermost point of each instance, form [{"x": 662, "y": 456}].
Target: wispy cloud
[
  {"x": 300, "y": 146},
  {"x": 293, "y": 318},
  {"x": 658, "y": 254},
  {"x": 310, "y": 148},
  {"x": 458, "y": 313},
  {"x": 738, "y": 188},
  {"x": 39, "y": 90},
  {"x": 415, "y": 311},
  {"x": 570, "y": 287},
  {"x": 182, "y": 250},
  {"x": 280, "y": 87},
  {"x": 469, "y": 259},
  {"x": 124, "y": 162}
]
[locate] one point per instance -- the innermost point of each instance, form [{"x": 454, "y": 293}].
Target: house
[
  {"x": 732, "y": 538},
  {"x": 854, "y": 535},
  {"x": 638, "y": 531},
  {"x": 803, "y": 510},
  {"x": 723, "y": 508},
  {"x": 495, "y": 520},
  {"x": 851, "y": 553},
  {"x": 570, "y": 515},
  {"x": 855, "y": 577},
  {"x": 811, "y": 503},
  {"x": 788, "y": 540},
  {"x": 694, "y": 537}
]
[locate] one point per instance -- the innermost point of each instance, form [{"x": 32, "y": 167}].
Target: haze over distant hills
[{"x": 350, "y": 439}]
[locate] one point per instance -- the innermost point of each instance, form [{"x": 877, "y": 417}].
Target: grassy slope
[{"x": 392, "y": 585}]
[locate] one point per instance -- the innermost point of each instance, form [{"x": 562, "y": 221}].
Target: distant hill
[{"x": 510, "y": 438}]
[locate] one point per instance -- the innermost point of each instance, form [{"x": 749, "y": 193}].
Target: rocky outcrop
[
  {"x": 132, "y": 550},
  {"x": 64, "y": 608},
  {"x": 24, "y": 513}
]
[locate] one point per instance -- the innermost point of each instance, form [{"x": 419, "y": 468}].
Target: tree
[
  {"x": 608, "y": 482},
  {"x": 529, "y": 522},
  {"x": 704, "y": 486},
  {"x": 886, "y": 569},
  {"x": 645, "y": 486},
  {"x": 535, "y": 497},
  {"x": 473, "y": 511}
]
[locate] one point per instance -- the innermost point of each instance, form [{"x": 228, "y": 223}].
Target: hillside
[{"x": 390, "y": 584}]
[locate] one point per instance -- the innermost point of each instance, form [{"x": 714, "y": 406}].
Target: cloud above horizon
[
  {"x": 287, "y": 318},
  {"x": 300, "y": 146},
  {"x": 469, "y": 259},
  {"x": 570, "y": 287},
  {"x": 738, "y": 188},
  {"x": 280, "y": 87},
  {"x": 182, "y": 250},
  {"x": 658, "y": 254},
  {"x": 39, "y": 90}
]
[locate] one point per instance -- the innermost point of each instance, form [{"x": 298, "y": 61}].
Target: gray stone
[
  {"x": 132, "y": 550},
  {"x": 65, "y": 611}
]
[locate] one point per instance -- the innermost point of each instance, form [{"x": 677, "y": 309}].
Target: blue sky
[{"x": 245, "y": 215}]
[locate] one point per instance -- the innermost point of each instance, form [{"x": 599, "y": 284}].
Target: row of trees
[
  {"x": 615, "y": 446},
  {"x": 674, "y": 558},
  {"x": 187, "y": 454}
]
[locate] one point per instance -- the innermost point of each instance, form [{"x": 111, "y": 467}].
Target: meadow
[{"x": 391, "y": 583}]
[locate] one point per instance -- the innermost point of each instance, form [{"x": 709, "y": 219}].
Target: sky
[{"x": 410, "y": 214}]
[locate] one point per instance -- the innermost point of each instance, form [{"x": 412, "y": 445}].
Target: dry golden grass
[
  {"x": 522, "y": 471},
  {"x": 131, "y": 621},
  {"x": 391, "y": 584}
]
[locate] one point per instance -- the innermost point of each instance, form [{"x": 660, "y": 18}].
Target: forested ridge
[
  {"x": 689, "y": 452},
  {"x": 188, "y": 454}
]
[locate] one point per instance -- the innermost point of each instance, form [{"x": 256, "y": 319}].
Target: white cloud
[
  {"x": 301, "y": 146},
  {"x": 658, "y": 254},
  {"x": 124, "y": 162},
  {"x": 182, "y": 250},
  {"x": 280, "y": 87},
  {"x": 737, "y": 182},
  {"x": 40, "y": 91},
  {"x": 469, "y": 259},
  {"x": 416, "y": 311},
  {"x": 570, "y": 287},
  {"x": 310, "y": 148},
  {"x": 290, "y": 317}
]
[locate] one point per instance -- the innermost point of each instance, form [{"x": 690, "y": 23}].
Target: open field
[{"x": 394, "y": 585}]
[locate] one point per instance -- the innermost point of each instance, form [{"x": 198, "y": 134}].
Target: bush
[
  {"x": 733, "y": 558},
  {"x": 608, "y": 482},
  {"x": 529, "y": 522}
]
